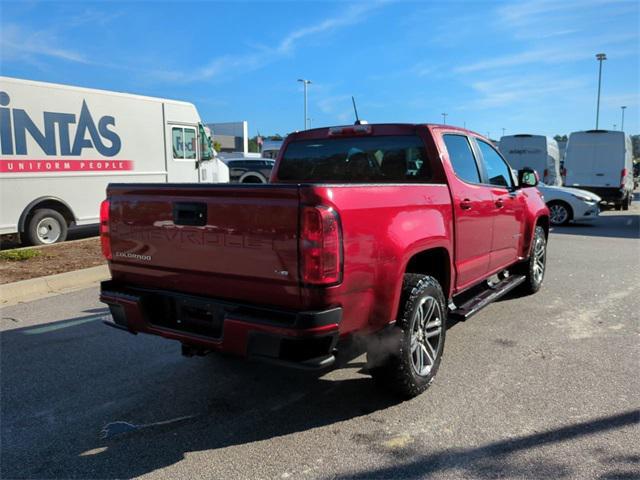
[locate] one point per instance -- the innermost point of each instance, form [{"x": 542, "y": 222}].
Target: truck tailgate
[{"x": 223, "y": 241}]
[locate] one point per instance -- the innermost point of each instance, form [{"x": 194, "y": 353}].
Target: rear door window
[
  {"x": 377, "y": 159},
  {"x": 461, "y": 158}
]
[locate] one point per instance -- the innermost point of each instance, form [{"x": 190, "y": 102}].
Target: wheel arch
[
  {"x": 252, "y": 173},
  {"x": 435, "y": 262},
  {"x": 54, "y": 203},
  {"x": 543, "y": 221}
]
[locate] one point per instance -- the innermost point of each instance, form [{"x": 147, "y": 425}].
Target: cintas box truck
[{"x": 61, "y": 145}]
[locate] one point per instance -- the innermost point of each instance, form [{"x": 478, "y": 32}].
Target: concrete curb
[{"x": 34, "y": 288}]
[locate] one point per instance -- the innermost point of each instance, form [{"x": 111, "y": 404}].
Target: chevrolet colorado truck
[{"x": 377, "y": 232}]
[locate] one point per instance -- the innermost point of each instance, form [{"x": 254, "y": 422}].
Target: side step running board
[{"x": 477, "y": 303}]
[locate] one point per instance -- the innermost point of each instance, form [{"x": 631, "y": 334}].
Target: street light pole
[
  {"x": 600, "y": 57},
  {"x": 622, "y": 122},
  {"x": 305, "y": 82},
  {"x": 444, "y": 118},
  {"x": 503, "y": 130}
]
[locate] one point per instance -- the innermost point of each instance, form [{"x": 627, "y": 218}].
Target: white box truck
[
  {"x": 534, "y": 151},
  {"x": 601, "y": 161},
  {"x": 61, "y": 145}
]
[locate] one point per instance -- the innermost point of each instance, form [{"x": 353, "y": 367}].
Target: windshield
[
  {"x": 380, "y": 159},
  {"x": 206, "y": 148}
]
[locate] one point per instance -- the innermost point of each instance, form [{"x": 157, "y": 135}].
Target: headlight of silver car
[{"x": 583, "y": 198}]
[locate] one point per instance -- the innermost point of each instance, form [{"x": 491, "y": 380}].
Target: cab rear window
[{"x": 381, "y": 159}]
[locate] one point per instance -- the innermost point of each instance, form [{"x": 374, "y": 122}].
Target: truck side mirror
[{"x": 527, "y": 177}]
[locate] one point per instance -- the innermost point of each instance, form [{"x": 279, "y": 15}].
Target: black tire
[
  {"x": 556, "y": 207},
  {"x": 49, "y": 219},
  {"x": 533, "y": 280},
  {"x": 618, "y": 206},
  {"x": 626, "y": 203},
  {"x": 392, "y": 361}
]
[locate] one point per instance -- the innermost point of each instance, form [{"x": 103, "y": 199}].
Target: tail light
[
  {"x": 623, "y": 175},
  {"x": 546, "y": 173},
  {"x": 320, "y": 246},
  {"x": 105, "y": 239}
]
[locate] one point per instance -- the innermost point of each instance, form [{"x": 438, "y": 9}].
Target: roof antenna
[{"x": 355, "y": 109}]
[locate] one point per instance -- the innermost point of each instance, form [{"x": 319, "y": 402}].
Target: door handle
[
  {"x": 465, "y": 204},
  {"x": 499, "y": 203}
]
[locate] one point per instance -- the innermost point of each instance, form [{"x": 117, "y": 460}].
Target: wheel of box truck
[
  {"x": 626, "y": 203},
  {"x": 46, "y": 226},
  {"x": 407, "y": 360}
]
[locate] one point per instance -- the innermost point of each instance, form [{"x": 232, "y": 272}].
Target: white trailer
[
  {"x": 61, "y": 145},
  {"x": 535, "y": 151},
  {"x": 601, "y": 161}
]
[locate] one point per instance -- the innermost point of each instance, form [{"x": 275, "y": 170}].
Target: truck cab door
[
  {"x": 508, "y": 209},
  {"x": 472, "y": 209},
  {"x": 182, "y": 154}
]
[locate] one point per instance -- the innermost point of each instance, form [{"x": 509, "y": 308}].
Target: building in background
[
  {"x": 233, "y": 137},
  {"x": 270, "y": 148}
]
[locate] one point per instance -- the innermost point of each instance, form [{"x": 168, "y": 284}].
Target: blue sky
[{"x": 523, "y": 66}]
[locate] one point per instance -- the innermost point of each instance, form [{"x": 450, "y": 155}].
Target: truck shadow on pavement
[{"x": 83, "y": 401}]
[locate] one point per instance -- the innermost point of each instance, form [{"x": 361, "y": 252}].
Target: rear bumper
[{"x": 298, "y": 339}]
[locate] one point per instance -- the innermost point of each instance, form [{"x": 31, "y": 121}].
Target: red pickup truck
[{"x": 378, "y": 232}]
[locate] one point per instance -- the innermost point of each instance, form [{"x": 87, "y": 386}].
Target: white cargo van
[
  {"x": 535, "y": 151},
  {"x": 61, "y": 145},
  {"x": 601, "y": 161}
]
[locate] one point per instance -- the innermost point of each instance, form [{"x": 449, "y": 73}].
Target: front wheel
[
  {"x": 410, "y": 359},
  {"x": 559, "y": 213},
  {"x": 534, "y": 268}
]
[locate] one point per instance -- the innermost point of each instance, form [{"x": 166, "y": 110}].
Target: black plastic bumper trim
[{"x": 238, "y": 311}]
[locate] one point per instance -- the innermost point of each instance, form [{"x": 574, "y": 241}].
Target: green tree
[{"x": 253, "y": 145}]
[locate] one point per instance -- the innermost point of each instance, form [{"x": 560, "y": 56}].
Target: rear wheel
[
  {"x": 408, "y": 363},
  {"x": 46, "y": 226},
  {"x": 559, "y": 213},
  {"x": 626, "y": 203}
]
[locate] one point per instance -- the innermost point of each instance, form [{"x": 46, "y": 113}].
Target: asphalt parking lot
[{"x": 545, "y": 386}]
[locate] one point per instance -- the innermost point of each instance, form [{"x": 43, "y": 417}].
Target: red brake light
[
  {"x": 546, "y": 173},
  {"x": 351, "y": 130},
  {"x": 105, "y": 240},
  {"x": 623, "y": 175},
  {"x": 320, "y": 246}
]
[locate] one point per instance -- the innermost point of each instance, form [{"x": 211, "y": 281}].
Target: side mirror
[{"x": 527, "y": 177}]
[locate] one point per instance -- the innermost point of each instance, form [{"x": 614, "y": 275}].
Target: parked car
[
  {"x": 380, "y": 233},
  {"x": 534, "y": 151},
  {"x": 254, "y": 170},
  {"x": 601, "y": 161},
  {"x": 569, "y": 204}
]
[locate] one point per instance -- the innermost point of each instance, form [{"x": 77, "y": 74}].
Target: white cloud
[
  {"x": 522, "y": 90},
  {"x": 18, "y": 43},
  {"x": 265, "y": 55},
  {"x": 567, "y": 52}
]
